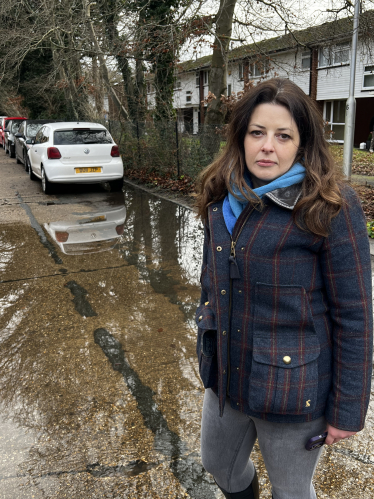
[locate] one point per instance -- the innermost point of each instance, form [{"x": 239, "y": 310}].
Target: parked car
[
  {"x": 9, "y": 135},
  {"x": 84, "y": 153},
  {"x": 2, "y": 120},
  {"x": 91, "y": 233},
  {"x": 24, "y": 137}
]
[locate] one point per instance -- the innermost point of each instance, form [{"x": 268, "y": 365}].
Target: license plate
[{"x": 88, "y": 170}]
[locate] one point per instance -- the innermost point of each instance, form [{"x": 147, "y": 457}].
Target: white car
[
  {"x": 75, "y": 152},
  {"x": 90, "y": 233}
]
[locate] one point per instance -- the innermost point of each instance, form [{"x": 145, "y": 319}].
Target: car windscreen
[
  {"x": 33, "y": 129},
  {"x": 74, "y": 137}
]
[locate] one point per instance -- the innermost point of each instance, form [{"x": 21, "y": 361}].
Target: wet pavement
[{"x": 100, "y": 395}]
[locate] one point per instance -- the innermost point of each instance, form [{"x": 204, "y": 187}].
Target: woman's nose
[{"x": 268, "y": 145}]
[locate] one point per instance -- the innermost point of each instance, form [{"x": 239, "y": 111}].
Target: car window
[
  {"x": 15, "y": 126},
  {"x": 6, "y": 123},
  {"x": 22, "y": 127},
  {"x": 73, "y": 137},
  {"x": 39, "y": 136},
  {"x": 33, "y": 129},
  {"x": 45, "y": 136}
]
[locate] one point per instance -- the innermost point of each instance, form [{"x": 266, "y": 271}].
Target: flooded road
[{"x": 100, "y": 395}]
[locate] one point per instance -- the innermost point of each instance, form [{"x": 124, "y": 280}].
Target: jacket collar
[{"x": 287, "y": 197}]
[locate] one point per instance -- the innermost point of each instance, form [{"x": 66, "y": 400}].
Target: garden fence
[{"x": 173, "y": 148}]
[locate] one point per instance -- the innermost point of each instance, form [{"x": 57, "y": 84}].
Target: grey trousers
[{"x": 227, "y": 443}]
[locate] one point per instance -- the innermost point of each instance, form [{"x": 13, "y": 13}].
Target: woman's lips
[{"x": 265, "y": 162}]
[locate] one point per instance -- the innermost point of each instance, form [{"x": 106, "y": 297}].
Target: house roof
[{"x": 328, "y": 32}]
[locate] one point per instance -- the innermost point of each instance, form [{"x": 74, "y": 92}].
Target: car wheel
[
  {"x": 12, "y": 151},
  {"x": 31, "y": 173},
  {"x": 26, "y": 161},
  {"x": 46, "y": 184},
  {"x": 116, "y": 185}
]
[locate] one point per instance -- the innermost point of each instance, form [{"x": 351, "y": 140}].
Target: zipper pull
[{"x": 234, "y": 269}]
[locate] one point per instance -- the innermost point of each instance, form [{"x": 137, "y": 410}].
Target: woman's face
[{"x": 271, "y": 143}]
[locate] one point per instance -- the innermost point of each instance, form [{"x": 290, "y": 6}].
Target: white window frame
[
  {"x": 329, "y": 119},
  {"x": 197, "y": 76},
  {"x": 241, "y": 71},
  {"x": 188, "y": 97},
  {"x": 255, "y": 72},
  {"x": 330, "y": 58},
  {"x": 367, "y": 72},
  {"x": 205, "y": 78},
  {"x": 178, "y": 84},
  {"x": 306, "y": 55}
]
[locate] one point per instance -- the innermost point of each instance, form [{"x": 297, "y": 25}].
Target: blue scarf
[{"x": 232, "y": 206}]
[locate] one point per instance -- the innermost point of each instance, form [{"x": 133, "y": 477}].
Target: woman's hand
[{"x": 334, "y": 435}]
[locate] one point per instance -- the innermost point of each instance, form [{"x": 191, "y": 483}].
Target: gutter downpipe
[{"x": 350, "y": 109}]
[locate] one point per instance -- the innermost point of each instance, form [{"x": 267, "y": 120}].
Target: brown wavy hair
[{"x": 321, "y": 198}]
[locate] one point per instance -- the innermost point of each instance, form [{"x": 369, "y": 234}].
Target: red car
[{"x": 3, "y": 124}]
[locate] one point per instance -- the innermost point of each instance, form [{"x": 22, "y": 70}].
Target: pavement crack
[
  {"x": 38, "y": 229},
  {"x": 363, "y": 458},
  {"x": 81, "y": 271}
]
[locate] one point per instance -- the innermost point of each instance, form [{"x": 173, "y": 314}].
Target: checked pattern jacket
[{"x": 288, "y": 337}]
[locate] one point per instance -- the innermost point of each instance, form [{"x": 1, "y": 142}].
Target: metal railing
[{"x": 174, "y": 148}]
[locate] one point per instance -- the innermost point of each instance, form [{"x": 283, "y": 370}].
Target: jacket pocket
[
  {"x": 284, "y": 374},
  {"x": 206, "y": 347}
]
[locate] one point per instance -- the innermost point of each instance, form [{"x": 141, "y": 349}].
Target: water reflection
[{"x": 93, "y": 233}]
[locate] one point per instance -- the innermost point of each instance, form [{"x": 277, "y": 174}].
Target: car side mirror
[
  {"x": 18, "y": 135},
  {"x": 6, "y": 130}
]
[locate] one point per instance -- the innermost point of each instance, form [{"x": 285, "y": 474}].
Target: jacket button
[
  {"x": 224, "y": 333},
  {"x": 223, "y": 372},
  {"x": 242, "y": 248},
  {"x": 223, "y": 292},
  {"x": 240, "y": 291},
  {"x": 238, "y": 330},
  {"x": 219, "y": 248},
  {"x": 287, "y": 359},
  {"x": 200, "y": 318},
  {"x": 215, "y": 209},
  {"x": 206, "y": 303}
]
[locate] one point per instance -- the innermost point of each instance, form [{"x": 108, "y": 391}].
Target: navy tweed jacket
[{"x": 289, "y": 335}]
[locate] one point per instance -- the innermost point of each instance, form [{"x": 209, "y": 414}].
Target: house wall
[{"x": 333, "y": 82}]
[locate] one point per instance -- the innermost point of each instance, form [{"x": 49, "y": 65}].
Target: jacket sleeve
[{"x": 345, "y": 261}]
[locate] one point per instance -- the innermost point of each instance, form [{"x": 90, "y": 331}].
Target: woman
[{"x": 285, "y": 321}]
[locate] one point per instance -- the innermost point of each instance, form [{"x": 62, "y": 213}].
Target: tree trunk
[{"x": 218, "y": 71}]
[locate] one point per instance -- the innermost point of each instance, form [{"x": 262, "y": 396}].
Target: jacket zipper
[{"x": 232, "y": 257}]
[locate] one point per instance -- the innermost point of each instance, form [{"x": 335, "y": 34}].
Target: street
[{"x": 100, "y": 395}]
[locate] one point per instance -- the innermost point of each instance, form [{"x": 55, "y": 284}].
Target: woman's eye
[
  {"x": 256, "y": 133},
  {"x": 284, "y": 136}
]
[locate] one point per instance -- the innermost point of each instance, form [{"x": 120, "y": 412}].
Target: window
[
  {"x": 206, "y": 77},
  {"x": 305, "y": 59},
  {"x": 178, "y": 84},
  {"x": 334, "y": 115},
  {"x": 229, "y": 90},
  {"x": 150, "y": 88},
  {"x": 368, "y": 81},
  {"x": 197, "y": 79},
  {"x": 334, "y": 56},
  {"x": 39, "y": 136},
  {"x": 82, "y": 136},
  {"x": 259, "y": 68},
  {"x": 241, "y": 71},
  {"x": 188, "y": 96}
]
